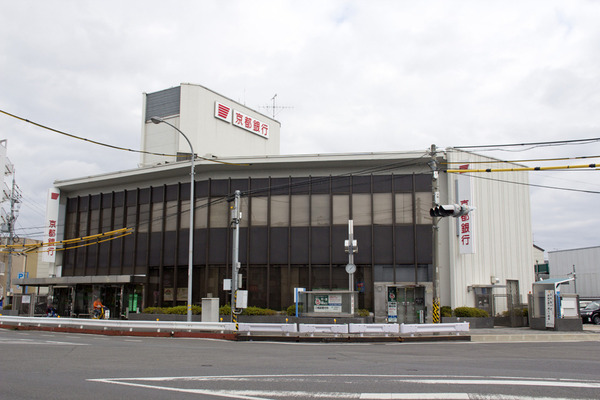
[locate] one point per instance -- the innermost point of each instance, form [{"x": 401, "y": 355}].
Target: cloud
[{"x": 353, "y": 76}]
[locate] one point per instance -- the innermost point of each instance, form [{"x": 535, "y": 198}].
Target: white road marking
[
  {"x": 277, "y": 394},
  {"x": 30, "y": 342}
]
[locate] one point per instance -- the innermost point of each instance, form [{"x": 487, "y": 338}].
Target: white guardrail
[
  {"x": 123, "y": 325},
  {"x": 245, "y": 327}
]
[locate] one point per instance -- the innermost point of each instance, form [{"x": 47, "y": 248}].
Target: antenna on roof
[{"x": 275, "y": 108}]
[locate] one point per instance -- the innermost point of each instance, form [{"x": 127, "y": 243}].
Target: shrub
[
  {"x": 153, "y": 310},
  {"x": 291, "y": 310},
  {"x": 225, "y": 310},
  {"x": 446, "y": 311},
  {"x": 258, "y": 311},
  {"x": 7, "y": 307},
  {"x": 519, "y": 312},
  {"x": 363, "y": 313},
  {"x": 178, "y": 310},
  {"x": 466, "y": 312}
]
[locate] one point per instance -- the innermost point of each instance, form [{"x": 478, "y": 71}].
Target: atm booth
[
  {"x": 407, "y": 303},
  {"x": 549, "y": 309}
]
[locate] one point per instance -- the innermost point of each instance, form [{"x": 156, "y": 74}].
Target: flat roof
[{"x": 235, "y": 164}]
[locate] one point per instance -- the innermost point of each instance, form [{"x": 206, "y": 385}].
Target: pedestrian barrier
[
  {"x": 249, "y": 327},
  {"x": 229, "y": 327},
  {"x": 382, "y": 329},
  {"x": 99, "y": 324},
  {"x": 413, "y": 329},
  {"x": 323, "y": 328}
]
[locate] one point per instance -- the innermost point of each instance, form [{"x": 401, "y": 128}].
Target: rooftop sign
[{"x": 241, "y": 120}]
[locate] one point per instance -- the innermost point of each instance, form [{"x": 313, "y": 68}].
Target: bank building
[{"x": 294, "y": 227}]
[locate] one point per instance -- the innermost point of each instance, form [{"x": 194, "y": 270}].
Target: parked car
[{"x": 591, "y": 313}]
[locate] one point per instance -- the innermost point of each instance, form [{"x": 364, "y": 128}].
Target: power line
[
  {"x": 518, "y": 161},
  {"x": 560, "y": 167},
  {"x": 110, "y": 145},
  {"x": 534, "y": 144},
  {"x": 533, "y": 184}
]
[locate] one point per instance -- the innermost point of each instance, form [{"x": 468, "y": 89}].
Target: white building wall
[
  {"x": 587, "y": 269},
  {"x": 501, "y": 231}
]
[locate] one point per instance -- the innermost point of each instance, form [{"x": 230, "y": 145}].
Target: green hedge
[
  {"x": 179, "y": 310},
  {"x": 470, "y": 312},
  {"x": 197, "y": 310},
  {"x": 446, "y": 311},
  {"x": 291, "y": 310}
]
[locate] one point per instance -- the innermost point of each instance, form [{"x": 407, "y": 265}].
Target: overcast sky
[{"x": 354, "y": 75}]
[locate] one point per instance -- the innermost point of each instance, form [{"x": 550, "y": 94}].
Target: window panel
[
  {"x": 131, "y": 217},
  {"x": 280, "y": 210},
  {"x": 259, "y": 211},
  {"x": 382, "y": 209},
  {"x": 171, "y": 215},
  {"x": 341, "y": 209},
  {"x": 244, "y": 210},
  {"x": 200, "y": 213},
  {"x": 184, "y": 215},
  {"x": 320, "y": 210},
  {"x": 361, "y": 209},
  {"x": 95, "y": 221},
  {"x": 300, "y": 207},
  {"x": 423, "y": 200},
  {"x": 219, "y": 215},
  {"x": 404, "y": 208},
  {"x": 144, "y": 221},
  {"x": 157, "y": 217}
]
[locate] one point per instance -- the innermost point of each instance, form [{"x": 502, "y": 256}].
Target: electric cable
[
  {"x": 113, "y": 146},
  {"x": 534, "y": 144}
]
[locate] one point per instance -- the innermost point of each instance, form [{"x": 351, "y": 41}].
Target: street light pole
[{"x": 158, "y": 120}]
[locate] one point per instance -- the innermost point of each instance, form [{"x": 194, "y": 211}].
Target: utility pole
[
  {"x": 235, "y": 263},
  {"x": 435, "y": 256},
  {"x": 351, "y": 246},
  {"x": 10, "y": 228}
]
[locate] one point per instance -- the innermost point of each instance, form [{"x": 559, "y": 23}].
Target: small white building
[{"x": 581, "y": 264}]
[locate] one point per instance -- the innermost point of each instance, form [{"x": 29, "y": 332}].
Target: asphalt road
[{"x": 42, "y": 365}]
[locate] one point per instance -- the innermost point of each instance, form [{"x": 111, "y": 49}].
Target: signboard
[
  {"x": 168, "y": 295},
  {"x": 328, "y": 303},
  {"x": 241, "y": 299},
  {"x": 392, "y": 311},
  {"x": 226, "y": 285},
  {"x": 241, "y": 120},
  {"x": 50, "y": 231},
  {"x": 22, "y": 275},
  {"x": 464, "y": 222},
  {"x": 549, "y": 308},
  {"x": 182, "y": 294}
]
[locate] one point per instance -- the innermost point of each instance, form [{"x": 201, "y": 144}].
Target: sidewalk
[{"x": 504, "y": 334}]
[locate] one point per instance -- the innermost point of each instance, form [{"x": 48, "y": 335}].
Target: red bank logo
[{"x": 222, "y": 112}]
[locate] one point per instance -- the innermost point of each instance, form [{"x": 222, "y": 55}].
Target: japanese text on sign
[
  {"x": 241, "y": 120},
  {"x": 51, "y": 229},
  {"x": 465, "y": 223}
]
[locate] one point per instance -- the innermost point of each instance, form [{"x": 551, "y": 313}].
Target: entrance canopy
[{"x": 80, "y": 280}]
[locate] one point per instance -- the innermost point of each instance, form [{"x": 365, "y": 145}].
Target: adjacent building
[{"x": 580, "y": 264}]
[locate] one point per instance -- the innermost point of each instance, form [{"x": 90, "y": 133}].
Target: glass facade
[{"x": 292, "y": 235}]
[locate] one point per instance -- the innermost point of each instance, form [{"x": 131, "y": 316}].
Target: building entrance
[{"x": 406, "y": 304}]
